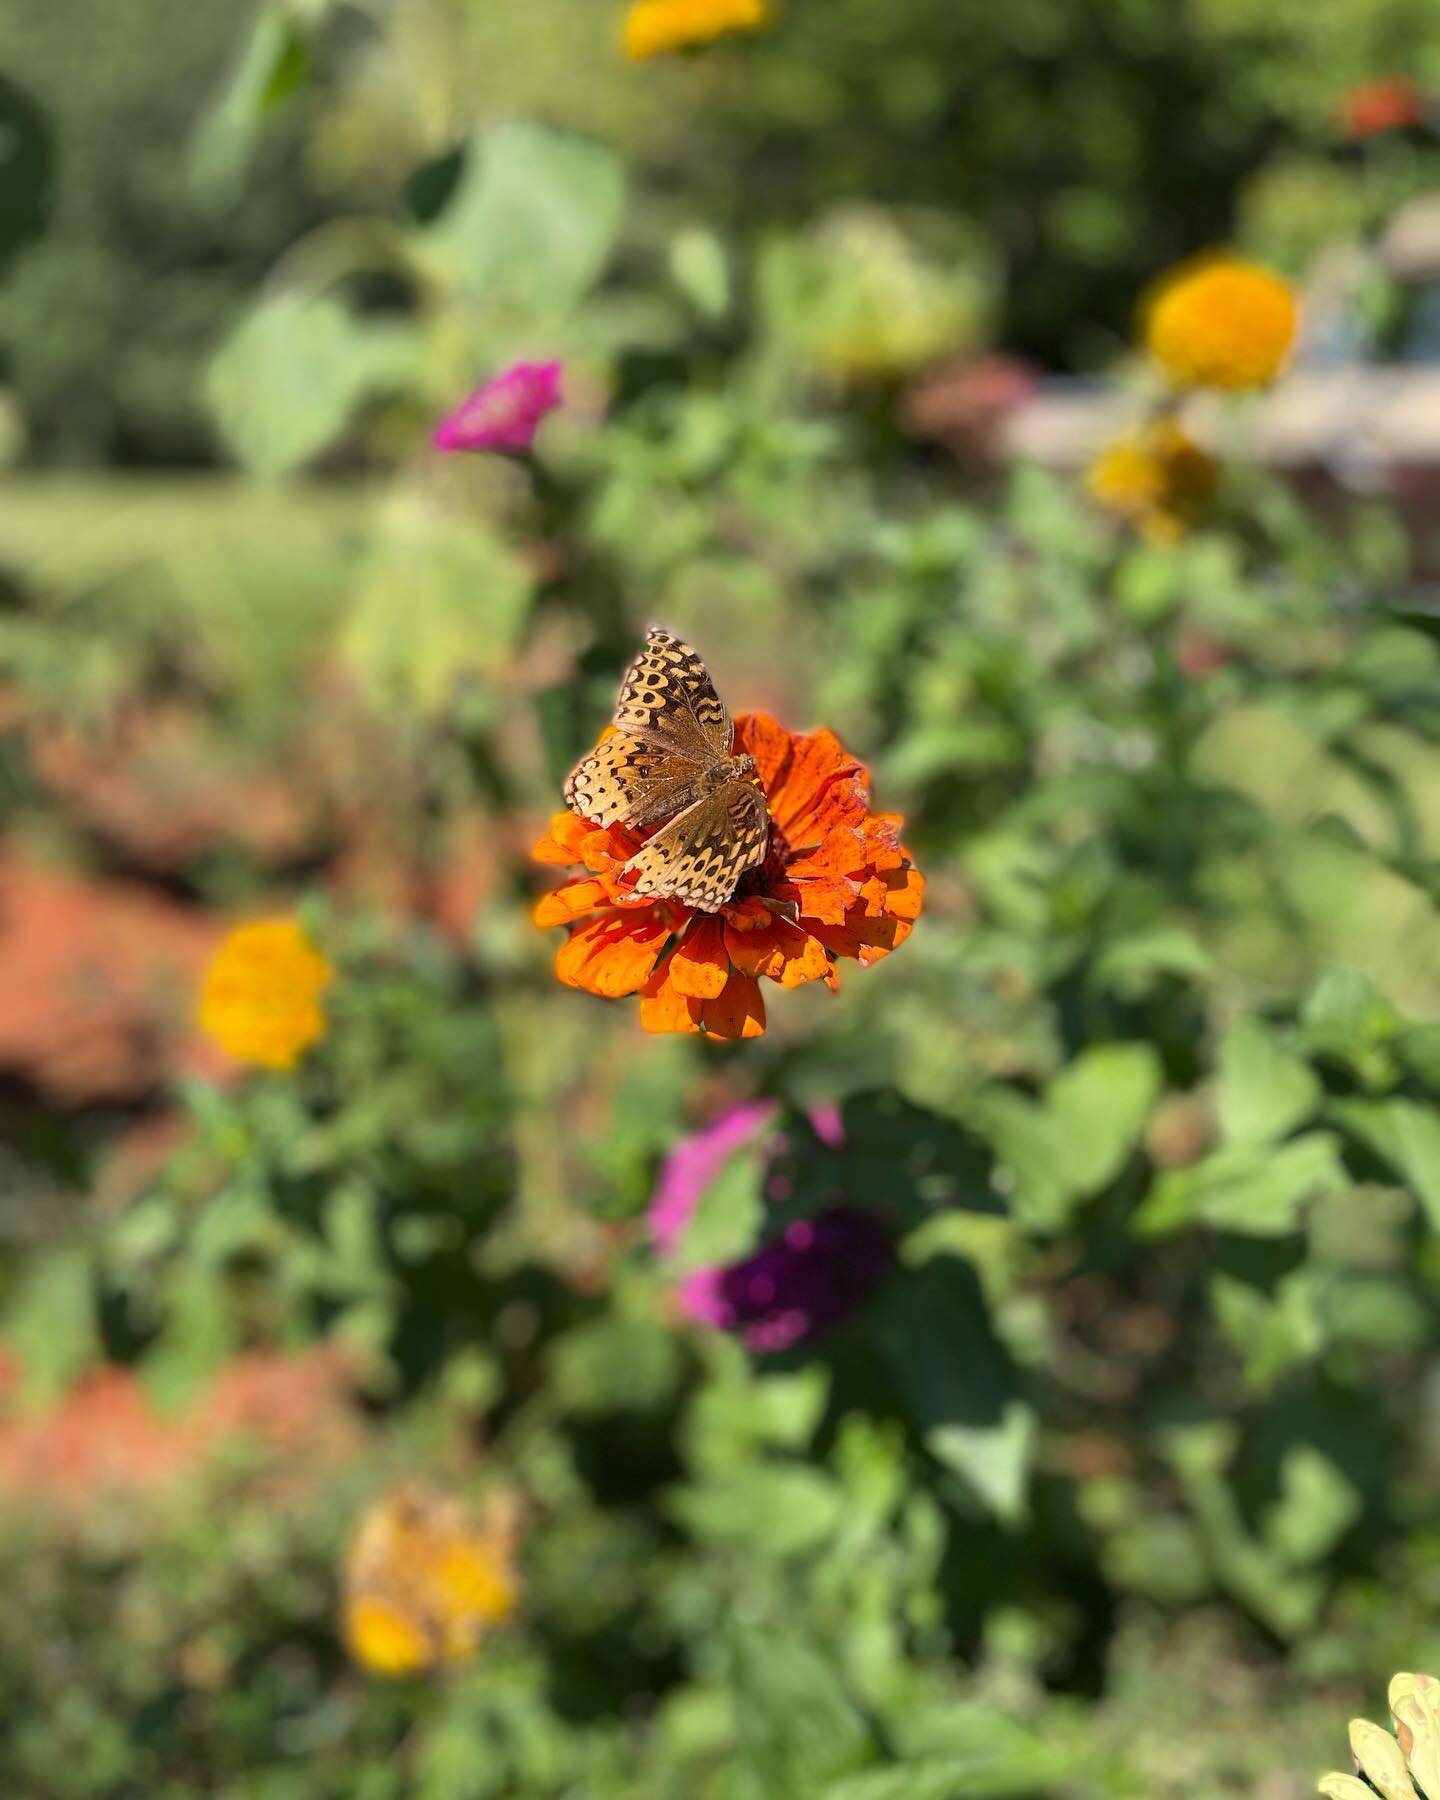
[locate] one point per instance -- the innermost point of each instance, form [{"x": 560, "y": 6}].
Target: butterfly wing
[
  {"x": 668, "y": 697},
  {"x": 699, "y": 857},
  {"x": 627, "y": 780}
]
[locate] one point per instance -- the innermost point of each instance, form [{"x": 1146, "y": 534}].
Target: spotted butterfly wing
[
  {"x": 670, "y": 741},
  {"x": 699, "y": 857},
  {"x": 625, "y": 780},
  {"x": 668, "y": 695},
  {"x": 670, "y": 726}
]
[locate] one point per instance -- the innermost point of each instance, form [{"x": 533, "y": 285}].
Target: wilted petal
[
  {"x": 1415, "y": 1704},
  {"x": 1380, "y": 1760}
]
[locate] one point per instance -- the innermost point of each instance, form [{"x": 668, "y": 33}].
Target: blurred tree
[{"x": 1093, "y": 144}]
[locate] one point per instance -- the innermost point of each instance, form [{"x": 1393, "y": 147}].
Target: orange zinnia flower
[{"x": 837, "y": 882}]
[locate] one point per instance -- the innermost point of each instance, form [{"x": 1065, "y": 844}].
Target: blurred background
[{"x": 1117, "y": 1475}]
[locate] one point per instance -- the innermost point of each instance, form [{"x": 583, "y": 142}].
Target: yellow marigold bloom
[
  {"x": 261, "y": 999},
  {"x": 656, "y": 27},
  {"x": 1221, "y": 322},
  {"x": 1403, "y": 1767},
  {"x": 423, "y": 1583},
  {"x": 1157, "y": 478}
]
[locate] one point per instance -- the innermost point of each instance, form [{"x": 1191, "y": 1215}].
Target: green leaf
[
  {"x": 1264, "y": 1091},
  {"x": 1022, "y": 1767},
  {"x": 1318, "y": 1504},
  {"x": 284, "y": 383},
  {"x": 956, "y": 1382},
  {"x": 729, "y": 1417},
  {"x": 275, "y": 62},
  {"x": 1099, "y": 1104},
  {"x": 994, "y": 1459},
  {"x": 700, "y": 268},
  {"x": 774, "y": 1509},
  {"x": 439, "y": 601},
  {"x": 50, "y": 1323},
  {"x": 1344, "y": 1017},
  {"x": 1404, "y": 1134},
  {"x": 1257, "y": 1191},
  {"x": 796, "y": 1728},
  {"x": 725, "y": 1225},
  {"x": 1078, "y": 1138},
  {"x": 1272, "y": 1332},
  {"x": 615, "y": 1365},
  {"x": 533, "y": 220},
  {"x": 1131, "y": 965}
]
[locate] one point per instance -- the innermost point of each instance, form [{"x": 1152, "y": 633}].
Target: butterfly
[{"x": 669, "y": 762}]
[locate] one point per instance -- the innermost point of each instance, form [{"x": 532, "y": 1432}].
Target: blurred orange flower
[
  {"x": 1221, "y": 322},
  {"x": 423, "y": 1583},
  {"x": 1388, "y": 103},
  {"x": 261, "y": 998},
  {"x": 837, "y": 882},
  {"x": 656, "y": 27},
  {"x": 1156, "y": 479}
]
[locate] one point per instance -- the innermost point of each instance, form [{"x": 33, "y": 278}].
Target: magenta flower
[
  {"x": 505, "y": 413},
  {"x": 805, "y": 1279}
]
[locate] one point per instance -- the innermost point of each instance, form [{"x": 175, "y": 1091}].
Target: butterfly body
[{"x": 668, "y": 766}]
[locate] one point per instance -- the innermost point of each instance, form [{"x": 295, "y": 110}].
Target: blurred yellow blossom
[
  {"x": 656, "y": 27},
  {"x": 423, "y": 1583},
  {"x": 1402, "y": 1767},
  {"x": 261, "y": 998},
  {"x": 1157, "y": 478},
  {"x": 1221, "y": 322}
]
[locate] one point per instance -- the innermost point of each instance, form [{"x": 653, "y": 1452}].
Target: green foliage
[{"x": 1145, "y": 1109}]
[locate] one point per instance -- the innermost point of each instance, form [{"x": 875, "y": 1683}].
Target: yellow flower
[
  {"x": 1221, "y": 322},
  {"x": 1157, "y": 478},
  {"x": 423, "y": 1584},
  {"x": 1402, "y": 1770},
  {"x": 261, "y": 999},
  {"x": 655, "y": 27}
]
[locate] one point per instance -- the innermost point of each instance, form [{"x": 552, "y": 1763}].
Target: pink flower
[
  {"x": 505, "y": 413},
  {"x": 803, "y": 1278}
]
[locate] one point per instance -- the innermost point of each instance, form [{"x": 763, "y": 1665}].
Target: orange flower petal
[
  {"x": 825, "y": 898},
  {"x": 750, "y": 914},
  {"x": 883, "y": 849},
  {"x": 614, "y": 954},
  {"x": 600, "y": 851},
  {"x": 823, "y": 786},
  {"x": 805, "y": 958},
  {"x": 737, "y": 1013},
  {"x": 568, "y": 902},
  {"x": 699, "y": 967},
  {"x": 782, "y": 953},
  {"x": 862, "y": 938},
  {"x": 769, "y": 743},
  {"x": 842, "y": 852},
  {"x": 562, "y": 844},
  {"x": 755, "y": 952},
  {"x": 906, "y": 894},
  {"x": 664, "y": 1008}
]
